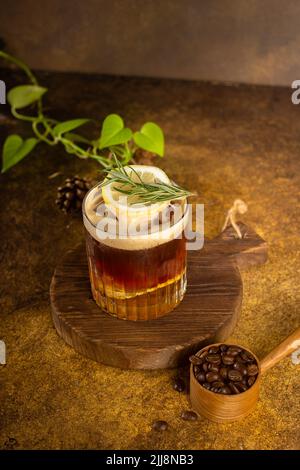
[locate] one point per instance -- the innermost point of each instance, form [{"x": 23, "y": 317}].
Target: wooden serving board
[{"x": 207, "y": 314}]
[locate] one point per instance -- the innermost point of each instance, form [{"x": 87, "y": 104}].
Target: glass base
[{"x": 148, "y": 305}]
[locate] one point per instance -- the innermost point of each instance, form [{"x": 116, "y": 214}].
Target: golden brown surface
[{"x": 224, "y": 142}]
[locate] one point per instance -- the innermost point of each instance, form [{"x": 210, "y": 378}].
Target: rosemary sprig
[{"x": 140, "y": 191}]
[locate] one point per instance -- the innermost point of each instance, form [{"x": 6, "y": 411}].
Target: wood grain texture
[{"x": 207, "y": 314}]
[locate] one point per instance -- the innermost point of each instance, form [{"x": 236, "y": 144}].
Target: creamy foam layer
[{"x": 91, "y": 219}]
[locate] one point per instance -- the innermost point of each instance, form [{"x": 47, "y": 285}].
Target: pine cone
[{"x": 71, "y": 195}]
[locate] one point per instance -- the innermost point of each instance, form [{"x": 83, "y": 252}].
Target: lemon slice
[{"x": 130, "y": 206}]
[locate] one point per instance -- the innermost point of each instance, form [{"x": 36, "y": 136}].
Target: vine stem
[
  {"x": 125, "y": 152},
  {"x": 39, "y": 135},
  {"x": 69, "y": 143},
  {"x": 17, "y": 115},
  {"x": 21, "y": 65}
]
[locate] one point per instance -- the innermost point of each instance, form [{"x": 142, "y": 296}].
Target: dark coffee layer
[{"x": 137, "y": 270}]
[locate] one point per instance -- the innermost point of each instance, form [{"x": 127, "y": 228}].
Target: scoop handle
[{"x": 290, "y": 344}]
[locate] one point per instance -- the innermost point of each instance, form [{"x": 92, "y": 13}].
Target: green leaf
[
  {"x": 150, "y": 138},
  {"x": 14, "y": 149},
  {"x": 77, "y": 138},
  {"x": 24, "y": 95},
  {"x": 113, "y": 132},
  {"x": 67, "y": 126},
  {"x": 11, "y": 145}
]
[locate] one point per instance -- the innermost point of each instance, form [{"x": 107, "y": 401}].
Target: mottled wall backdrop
[{"x": 233, "y": 40}]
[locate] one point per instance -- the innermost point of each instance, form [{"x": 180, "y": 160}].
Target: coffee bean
[
  {"x": 233, "y": 388},
  {"x": 203, "y": 354},
  {"x": 218, "y": 384},
  {"x": 11, "y": 443},
  {"x": 242, "y": 387},
  {"x": 223, "y": 372},
  {"x": 247, "y": 357},
  {"x": 233, "y": 350},
  {"x": 189, "y": 415},
  {"x": 200, "y": 377},
  {"x": 213, "y": 350},
  {"x": 243, "y": 370},
  {"x": 235, "y": 375},
  {"x": 179, "y": 384},
  {"x": 212, "y": 377},
  {"x": 213, "y": 367},
  {"x": 227, "y": 369},
  {"x": 213, "y": 358},
  {"x": 196, "y": 360},
  {"x": 160, "y": 425},
  {"x": 238, "y": 365},
  {"x": 241, "y": 367},
  {"x": 227, "y": 360},
  {"x": 206, "y": 385},
  {"x": 251, "y": 380},
  {"x": 252, "y": 369},
  {"x": 225, "y": 390},
  {"x": 239, "y": 359}
]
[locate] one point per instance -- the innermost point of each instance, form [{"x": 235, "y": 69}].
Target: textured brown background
[
  {"x": 224, "y": 142},
  {"x": 250, "y": 41}
]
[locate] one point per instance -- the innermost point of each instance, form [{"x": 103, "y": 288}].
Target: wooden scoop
[{"x": 224, "y": 408}]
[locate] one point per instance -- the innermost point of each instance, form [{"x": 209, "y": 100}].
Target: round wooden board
[{"x": 207, "y": 314}]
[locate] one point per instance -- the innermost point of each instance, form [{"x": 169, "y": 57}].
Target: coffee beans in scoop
[{"x": 225, "y": 369}]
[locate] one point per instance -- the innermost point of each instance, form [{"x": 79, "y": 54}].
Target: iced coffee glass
[{"x": 140, "y": 276}]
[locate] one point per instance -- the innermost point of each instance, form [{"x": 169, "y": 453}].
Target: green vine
[{"x": 114, "y": 138}]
